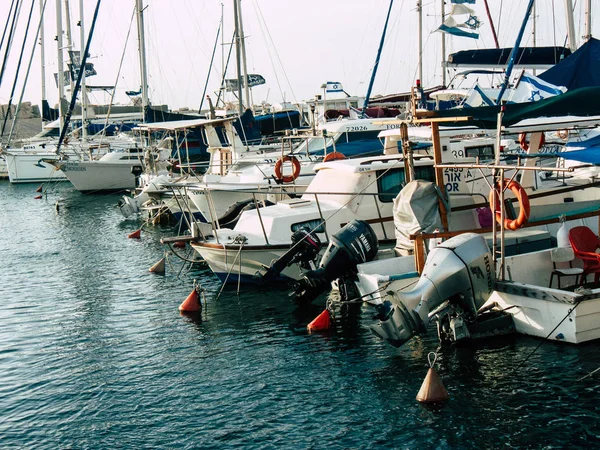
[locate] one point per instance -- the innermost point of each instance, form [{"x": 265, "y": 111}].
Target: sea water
[{"x": 94, "y": 354}]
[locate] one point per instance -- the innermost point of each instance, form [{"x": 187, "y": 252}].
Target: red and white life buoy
[
  {"x": 524, "y": 208},
  {"x": 333, "y": 156},
  {"x": 524, "y": 143},
  {"x": 279, "y": 169}
]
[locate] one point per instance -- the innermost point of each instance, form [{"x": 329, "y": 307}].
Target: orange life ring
[
  {"x": 524, "y": 143},
  {"x": 295, "y": 169},
  {"x": 521, "y": 195},
  {"x": 333, "y": 156},
  {"x": 563, "y": 134}
]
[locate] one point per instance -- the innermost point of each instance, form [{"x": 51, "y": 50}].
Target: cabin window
[
  {"x": 481, "y": 151},
  {"x": 316, "y": 225},
  {"x": 390, "y": 182}
]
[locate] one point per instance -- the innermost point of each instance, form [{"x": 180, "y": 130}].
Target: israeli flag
[
  {"x": 461, "y": 22},
  {"x": 530, "y": 88},
  {"x": 480, "y": 97},
  {"x": 334, "y": 86}
]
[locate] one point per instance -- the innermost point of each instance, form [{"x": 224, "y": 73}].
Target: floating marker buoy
[
  {"x": 159, "y": 267},
  {"x": 39, "y": 189},
  {"x": 321, "y": 322},
  {"x": 179, "y": 244},
  {"x": 432, "y": 390},
  {"x": 37, "y": 197},
  {"x": 191, "y": 303},
  {"x": 136, "y": 234}
]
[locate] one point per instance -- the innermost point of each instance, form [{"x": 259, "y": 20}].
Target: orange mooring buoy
[
  {"x": 37, "y": 197},
  {"x": 39, "y": 189},
  {"x": 179, "y": 244},
  {"x": 432, "y": 390},
  {"x": 137, "y": 234},
  {"x": 192, "y": 302},
  {"x": 159, "y": 267},
  {"x": 321, "y": 322}
]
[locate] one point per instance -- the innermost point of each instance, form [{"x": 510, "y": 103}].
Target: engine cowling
[{"x": 458, "y": 273}]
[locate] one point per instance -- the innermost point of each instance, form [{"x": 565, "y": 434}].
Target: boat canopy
[
  {"x": 527, "y": 57},
  {"x": 581, "y": 69}
]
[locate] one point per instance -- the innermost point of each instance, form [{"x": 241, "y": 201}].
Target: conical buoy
[
  {"x": 191, "y": 303},
  {"x": 136, "y": 234},
  {"x": 321, "y": 322},
  {"x": 159, "y": 267},
  {"x": 432, "y": 390},
  {"x": 37, "y": 197},
  {"x": 179, "y": 244},
  {"x": 39, "y": 189}
]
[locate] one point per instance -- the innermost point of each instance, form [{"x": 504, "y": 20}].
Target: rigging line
[
  {"x": 14, "y": 86},
  {"x": 12, "y": 128},
  {"x": 63, "y": 131},
  {"x": 546, "y": 338},
  {"x": 210, "y": 68},
  {"x": 11, "y": 35},
  {"x": 112, "y": 96},
  {"x": 277, "y": 56},
  {"x": 223, "y": 87},
  {"x": 7, "y": 22}
]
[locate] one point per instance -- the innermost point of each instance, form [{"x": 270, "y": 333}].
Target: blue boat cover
[{"x": 580, "y": 69}]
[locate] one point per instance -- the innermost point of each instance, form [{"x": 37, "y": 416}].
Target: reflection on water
[{"x": 94, "y": 354}]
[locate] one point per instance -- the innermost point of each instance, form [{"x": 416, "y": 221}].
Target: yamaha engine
[
  {"x": 304, "y": 251},
  {"x": 456, "y": 282},
  {"x": 354, "y": 244}
]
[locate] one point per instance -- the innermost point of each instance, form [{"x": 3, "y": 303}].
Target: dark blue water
[{"x": 94, "y": 354}]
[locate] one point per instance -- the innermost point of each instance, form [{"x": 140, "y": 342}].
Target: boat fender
[
  {"x": 295, "y": 169},
  {"x": 524, "y": 208}
]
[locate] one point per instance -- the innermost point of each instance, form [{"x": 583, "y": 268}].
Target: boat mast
[
  {"x": 60, "y": 71},
  {"x": 142, "y": 50},
  {"x": 238, "y": 55},
  {"x": 489, "y": 16},
  {"x": 69, "y": 38},
  {"x": 243, "y": 49},
  {"x": 570, "y": 25},
  {"x": 420, "y": 11},
  {"x": 366, "y": 103},
  {"x": 443, "y": 36},
  {"x": 42, "y": 59},
  {"x": 588, "y": 20},
  {"x": 83, "y": 86}
]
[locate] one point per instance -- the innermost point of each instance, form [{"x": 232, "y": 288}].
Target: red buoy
[
  {"x": 37, "y": 197},
  {"x": 136, "y": 234},
  {"x": 321, "y": 322},
  {"x": 39, "y": 189},
  {"x": 432, "y": 390},
  {"x": 191, "y": 303},
  {"x": 179, "y": 244}
]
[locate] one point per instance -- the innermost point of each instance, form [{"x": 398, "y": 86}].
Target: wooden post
[
  {"x": 407, "y": 152},
  {"x": 439, "y": 172},
  {"x": 419, "y": 253}
]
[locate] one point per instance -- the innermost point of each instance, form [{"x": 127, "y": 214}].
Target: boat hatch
[{"x": 294, "y": 202}]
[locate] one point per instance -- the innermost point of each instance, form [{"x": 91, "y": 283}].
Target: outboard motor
[
  {"x": 456, "y": 281},
  {"x": 305, "y": 248},
  {"x": 354, "y": 244}
]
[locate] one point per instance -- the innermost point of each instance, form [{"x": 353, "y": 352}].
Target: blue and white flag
[
  {"x": 530, "y": 88},
  {"x": 460, "y": 2},
  {"x": 334, "y": 86},
  {"x": 480, "y": 97},
  {"x": 461, "y": 22}
]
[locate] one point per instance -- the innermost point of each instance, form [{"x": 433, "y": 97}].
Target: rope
[
  {"x": 546, "y": 338},
  {"x": 232, "y": 266}
]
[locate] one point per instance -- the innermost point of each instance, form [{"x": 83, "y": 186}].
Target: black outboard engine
[
  {"x": 354, "y": 244},
  {"x": 305, "y": 248}
]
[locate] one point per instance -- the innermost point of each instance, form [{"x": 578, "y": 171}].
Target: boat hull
[
  {"x": 96, "y": 176},
  {"x": 28, "y": 168}
]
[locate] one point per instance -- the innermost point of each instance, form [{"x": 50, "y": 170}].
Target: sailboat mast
[
  {"x": 42, "y": 59},
  {"x": 142, "y": 50},
  {"x": 443, "y": 36},
  {"x": 489, "y": 16},
  {"x": 420, "y": 11},
  {"x": 244, "y": 62},
  {"x": 69, "y": 37},
  {"x": 570, "y": 25},
  {"x": 588, "y": 20},
  {"x": 60, "y": 71},
  {"x": 238, "y": 57},
  {"x": 83, "y": 86}
]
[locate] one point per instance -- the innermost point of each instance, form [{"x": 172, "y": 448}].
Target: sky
[{"x": 295, "y": 45}]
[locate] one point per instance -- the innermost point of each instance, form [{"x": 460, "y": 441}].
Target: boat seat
[
  {"x": 560, "y": 256},
  {"x": 585, "y": 244}
]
